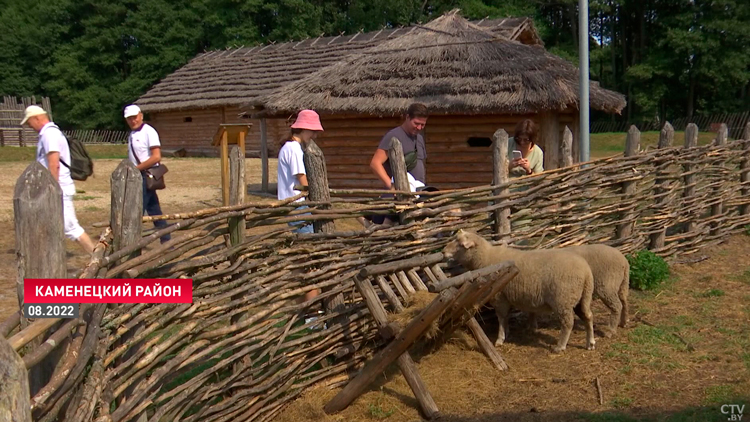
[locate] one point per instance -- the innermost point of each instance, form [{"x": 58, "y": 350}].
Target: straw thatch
[
  {"x": 451, "y": 65},
  {"x": 243, "y": 75}
]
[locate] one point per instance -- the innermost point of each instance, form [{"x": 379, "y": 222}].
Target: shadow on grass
[{"x": 712, "y": 413}]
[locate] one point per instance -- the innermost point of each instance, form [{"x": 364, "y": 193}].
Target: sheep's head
[{"x": 462, "y": 244}]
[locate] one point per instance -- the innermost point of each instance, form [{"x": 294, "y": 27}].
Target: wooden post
[
  {"x": 566, "y": 148},
  {"x": 575, "y": 128},
  {"x": 718, "y": 207},
  {"x": 549, "y": 131},
  {"x": 21, "y": 142},
  {"x": 225, "y": 168},
  {"x": 632, "y": 144},
  {"x": 661, "y": 185},
  {"x": 317, "y": 180},
  {"x": 500, "y": 176},
  {"x": 691, "y": 141},
  {"x": 264, "y": 154},
  {"x": 126, "y": 199},
  {"x": 398, "y": 167},
  {"x": 15, "y": 405},
  {"x": 40, "y": 244},
  {"x": 2, "y": 138},
  {"x": 745, "y": 171},
  {"x": 237, "y": 189}
]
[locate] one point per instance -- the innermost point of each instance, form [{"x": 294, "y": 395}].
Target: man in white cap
[
  {"x": 51, "y": 150},
  {"x": 144, "y": 150}
]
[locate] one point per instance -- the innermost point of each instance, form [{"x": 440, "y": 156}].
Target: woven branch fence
[{"x": 242, "y": 350}]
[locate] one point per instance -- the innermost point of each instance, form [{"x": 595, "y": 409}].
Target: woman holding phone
[{"x": 525, "y": 155}]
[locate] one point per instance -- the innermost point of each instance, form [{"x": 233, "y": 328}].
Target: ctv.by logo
[{"x": 733, "y": 410}]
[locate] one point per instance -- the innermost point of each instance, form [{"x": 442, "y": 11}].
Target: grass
[
  {"x": 611, "y": 143},
  {"x": 12, "y": 154}
]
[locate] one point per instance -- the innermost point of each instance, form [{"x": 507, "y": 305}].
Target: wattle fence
[{"x": 242, "y": 350}]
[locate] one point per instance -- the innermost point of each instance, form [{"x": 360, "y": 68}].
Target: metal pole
[{"x": 583, "y": 65}]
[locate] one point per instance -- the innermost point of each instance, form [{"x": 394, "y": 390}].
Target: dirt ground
[
  {"x": 192, "y": 183},
  {"x": 685, "y": 352}
]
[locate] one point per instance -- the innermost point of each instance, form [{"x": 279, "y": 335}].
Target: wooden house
[
  {"x": 472, "y": 80},
  {"x": 217, "y": 87}
]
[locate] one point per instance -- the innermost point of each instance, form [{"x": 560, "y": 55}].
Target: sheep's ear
[{"x": 466, "y": 242}]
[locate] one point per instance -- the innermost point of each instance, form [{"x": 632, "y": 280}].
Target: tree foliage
[{"x": 670, "y": 57}]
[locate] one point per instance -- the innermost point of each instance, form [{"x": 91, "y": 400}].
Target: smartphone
[{"x": 517, "y": 155}]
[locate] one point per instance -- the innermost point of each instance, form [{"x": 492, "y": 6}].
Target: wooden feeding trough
[
  {"x": 457, "y": 301},
  {"x": 229, "y": 134}
]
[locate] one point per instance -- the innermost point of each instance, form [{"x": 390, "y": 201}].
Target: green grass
[
  {"x": 719, "y": 394},
  {"x": 611, "y": 143},
  {"x": 14, "y": 154},
  {"x": 712, "y": 293},
  {"x": 742, "y": 278},
  {"x": 710, "y": 413}
]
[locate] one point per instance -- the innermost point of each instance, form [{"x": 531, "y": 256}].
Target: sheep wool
[
  {"x": 548, "y": 281},
  {"x": 611, "y": 272}
]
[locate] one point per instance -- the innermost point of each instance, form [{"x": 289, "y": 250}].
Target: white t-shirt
[
  {"x": 51, "y": 139},
  {"x": 290, "y": 164},
  {"x": 142, "y": 140}
]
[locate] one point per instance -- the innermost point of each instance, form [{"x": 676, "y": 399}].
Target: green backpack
[{"x": 81, "y": 166}]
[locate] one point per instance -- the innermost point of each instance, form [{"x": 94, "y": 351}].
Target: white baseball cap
[
  {"x": 132, "y": 110},
  {"x": 32, "y": 111}
]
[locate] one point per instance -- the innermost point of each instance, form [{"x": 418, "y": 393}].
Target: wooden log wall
[
  {"x": 188, "y": 363},
  {"x": 194, "y": 130},
  {"x": 350, "y": 141}
]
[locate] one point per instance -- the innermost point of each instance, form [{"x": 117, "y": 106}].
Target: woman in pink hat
[
  {"x": 291, "y": 168},
  {"x": 291, "y": 171}
]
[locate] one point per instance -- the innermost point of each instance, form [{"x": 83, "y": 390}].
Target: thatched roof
[
  {"x": 451, "y": 65},
  {"x": 243, "y": 75}
]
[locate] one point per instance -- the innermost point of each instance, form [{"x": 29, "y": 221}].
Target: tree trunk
[
  {"x": 691, "y": 95},
  {"x": 573, "y": 18}
]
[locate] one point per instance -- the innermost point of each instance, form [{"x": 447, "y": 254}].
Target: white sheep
[
  {"x": 548, "y": 281},
  {"x": 611, "y": 272}
]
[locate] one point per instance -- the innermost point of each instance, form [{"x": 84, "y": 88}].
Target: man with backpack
[{"x": 53, "y": 152}]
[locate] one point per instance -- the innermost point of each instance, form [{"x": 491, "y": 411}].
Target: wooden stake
[
  {"x": 632, "y": 145},
  {"x": 500, "y": 176},
  {"x": 599, "y": 391},
  {"x": 661, "y": 185}
]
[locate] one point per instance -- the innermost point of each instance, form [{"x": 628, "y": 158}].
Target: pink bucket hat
[{"x": 307, "y": 119}]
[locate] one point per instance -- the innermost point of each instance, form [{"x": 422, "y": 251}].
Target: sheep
[
  {"x": 548, "y": 281},
  {"x": 611, "y": 272}
]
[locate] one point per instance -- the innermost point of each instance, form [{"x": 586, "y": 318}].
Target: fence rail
[
  {"x": 25, "y": 137},
  {"x": 242, "y": 350},
  {"x": 735, "y": 122}
]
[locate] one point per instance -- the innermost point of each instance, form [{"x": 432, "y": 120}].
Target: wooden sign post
[{"x": 229, "y": 134}]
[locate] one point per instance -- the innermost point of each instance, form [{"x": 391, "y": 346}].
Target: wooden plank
[
  {"x": 126, "y": 199},
  {"x": 566, "y": 148},
  {"x": 405, "y": 282},
  {"x": 500, "y": 176},
  {"x": 418, "y": 283},
  {"x": 389, "y": 294},
  {"x": 549, "y": 134},
  {"x": 398, "y": 169},
  {"x": 264, "y": 154},
  {"x": 691, "y": 141},
  {"x": 15, "y": 405},
  {"x": 237, "y": 190},
  {"x": 745, "y": 170},
  {"x": 632, "y": 145},
  {"x": 224, "y": 169},
  {"x": 485, "y": 345},
  {"x": 398, "y": 286},
  {"x": 718, "y": 207},
  {"x": 661, "y": 185}
]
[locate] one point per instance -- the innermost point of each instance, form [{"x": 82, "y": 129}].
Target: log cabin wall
[
  {"x": 459, "y": 152},
  {"x": 194, "y": 129}
]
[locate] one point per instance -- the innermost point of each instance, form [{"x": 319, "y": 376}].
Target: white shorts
[{"x": 73, "y": 230}]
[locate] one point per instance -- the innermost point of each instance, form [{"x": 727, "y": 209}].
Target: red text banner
[{"x": 75, "y": 290}]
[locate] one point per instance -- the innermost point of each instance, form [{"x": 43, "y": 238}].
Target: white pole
[{"x": 583, "y": 65}]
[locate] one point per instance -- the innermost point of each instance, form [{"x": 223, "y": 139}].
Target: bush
[{"x": 647, "y": 270}]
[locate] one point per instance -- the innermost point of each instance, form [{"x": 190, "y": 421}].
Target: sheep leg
[
  {"x": 532, "y": 322},
  {"x": 615, "y": 309},
  {"x": 583, "y": 310},
  {"x": 622, "y": 293},
  {"x": 566, "y": 323},
  {"x": 502, "y": 310}
]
